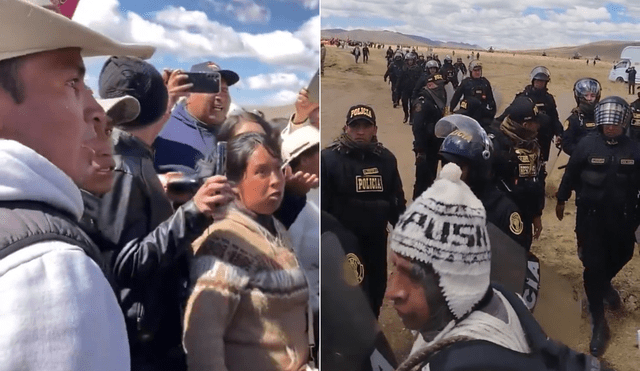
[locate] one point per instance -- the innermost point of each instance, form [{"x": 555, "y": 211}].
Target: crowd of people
[
  {"x": 491, "y": 183},
  {"x": 148, "y": 228}
]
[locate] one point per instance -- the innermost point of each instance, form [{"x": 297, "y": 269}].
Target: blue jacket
[{"x": 183, "y": 141}]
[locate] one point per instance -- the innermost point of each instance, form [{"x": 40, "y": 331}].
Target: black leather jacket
[{"x": 146, "y": 243}]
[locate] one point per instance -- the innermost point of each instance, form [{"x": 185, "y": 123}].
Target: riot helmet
[
  {"x": 421, "y": 56},
  {"x": 459, "y": 59},
  {"x": 410, "y": 57},
  {"x": 431, "y": 64},
  {"x": 474, "y": 64},
  {"x": 584, "y": 86},
  {"x": 447, "y": 59},
  {"x": 465, "y": 141},
  {"x": 398, "y": 56},
  {"x": 540, "y": 73},
  {"x": 613, "y": 111}
]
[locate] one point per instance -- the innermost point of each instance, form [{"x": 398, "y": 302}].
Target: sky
[
  {"x": 273, "y": 45},
  {"x": 503, "y": 24}
]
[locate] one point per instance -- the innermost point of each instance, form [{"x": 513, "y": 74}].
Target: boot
[
  {"x": 395, "y": 104},
  {"x": 406, "y": 118},
  {"x": 612, "y": 298},
  {"x": 600, "y": 337}
]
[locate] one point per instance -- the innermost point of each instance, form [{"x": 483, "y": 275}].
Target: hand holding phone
[{"x": 204, "y": 82}]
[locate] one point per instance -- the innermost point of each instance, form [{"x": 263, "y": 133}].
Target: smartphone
[
  {"x": 183, "y": 185},
  {"x": 204, "y": 82},
  {"x": 221, "y": 158}
]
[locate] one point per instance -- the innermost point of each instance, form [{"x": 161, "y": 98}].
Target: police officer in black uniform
[
  {"x": 430, "y": 68},
  {"x": 479, "y": 87},
  {"x": 394, "y": 71},
  {"x": 550, "y": 124},
  {"x": 361, "y": 187},
  {"x": 411, "y": 73},
  {"x": 427, "y": 109},
  {"x": 518, "y": 163},
  {"x": 460, "y": 66},
  {"x": 604, "y": 170},
  {"x": 634, "y": 129},
  {"x": 449, "y": 72},
  {"x": 586, "y": 91},
  {"x": 389, "y": 56}
]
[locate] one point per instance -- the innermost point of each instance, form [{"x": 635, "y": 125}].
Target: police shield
[
  {"x": 351, "y": 338},
  {"x": 513, "y": 267}
]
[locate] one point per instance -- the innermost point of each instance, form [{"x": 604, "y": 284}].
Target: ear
[{"x": 375, "y": 129}]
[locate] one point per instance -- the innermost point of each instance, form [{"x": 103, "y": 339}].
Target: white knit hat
[{"x": 446, "y": 228}]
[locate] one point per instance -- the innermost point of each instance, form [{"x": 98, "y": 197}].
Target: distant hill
[
  {"x": 392, "y": 38},
  {"x": 608, "y": 50}
]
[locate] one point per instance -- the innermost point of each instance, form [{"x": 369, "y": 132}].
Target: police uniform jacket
[
  {"x": 578, "y": 125},
  {"x": 393, "y": 72},
  {"x": 604, "y": 173},
  {"x": 409, "y": 77},
  {"x": 478, "y": 88},
  {"x": 449, "y": 72},
  {"x": 505, "y": 214},
  {"x": 362, "y": 189},
  {"x": 425, "y": 115},
  {"x": 519, "y": 173},
  {"x": 548, "y": 112},
  {"x": 634, "y": 129},
  {"x": 460, "y": 67}
]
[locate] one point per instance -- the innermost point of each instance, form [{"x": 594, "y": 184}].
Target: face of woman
[{"x": 262, "y": 185}]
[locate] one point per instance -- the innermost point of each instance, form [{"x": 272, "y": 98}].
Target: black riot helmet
[
  {"x": 431, "y": 64},
  {"x": 447, "y": 59},
  {"x": 586, "y": 85},
  {"x": 540, "y": 73},
  {"x": 464, "y": 137},
  {"x": 613, "y": 111}
]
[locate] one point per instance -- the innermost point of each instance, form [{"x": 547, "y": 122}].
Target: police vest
[
  {"x": 546, "y": 354},
  {"x": 25, "y": 223}
]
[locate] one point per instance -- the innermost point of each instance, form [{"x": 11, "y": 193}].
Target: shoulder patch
[
  {"x": 566, "y": 124},
  {"x": 627, "y": 161},
  {"x": 515, "y": 223},
  {"x": 370, "y": 171},
  {"x": 597, "y": 160},
  {"x": 353, "y": 269}
]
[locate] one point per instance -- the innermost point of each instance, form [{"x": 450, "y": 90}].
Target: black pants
[
  {"x": 395, "y": 94},
  {"x": 374, "y": 259},
  {"x": 406, "y": 101},
  {"x": 632, "y": 87},
  {"x": 427, "y": 168},
  {"x": 605, "y": 246},
  {"x": 365, "y": 58}
]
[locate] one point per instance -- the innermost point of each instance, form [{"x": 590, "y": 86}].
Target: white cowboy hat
[
  {"x": 299, "y": 141},
  {"x": 29, "y": 28},
  {"x": 122, "y": 109}
]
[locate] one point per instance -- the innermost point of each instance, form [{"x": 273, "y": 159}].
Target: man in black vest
[
  {"x": 632, "y": 79},
  {"x": 58, "y": 310}
]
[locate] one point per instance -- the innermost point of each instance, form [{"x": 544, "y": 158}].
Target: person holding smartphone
[
  {"x": 136, "y": 220},
  {"x": 192, "y": 129}
]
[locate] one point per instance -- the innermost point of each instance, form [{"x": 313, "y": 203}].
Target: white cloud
[
  {"x": 190, "y": 34},
  {"x": 274, "y": 81},
  {"x": 281, "y": 98},
  {"x": 498, "y": 23}
]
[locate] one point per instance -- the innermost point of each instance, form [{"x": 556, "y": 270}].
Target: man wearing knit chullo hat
[{"x": 440, "y": 284}]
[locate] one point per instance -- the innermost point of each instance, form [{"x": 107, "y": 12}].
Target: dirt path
[{"x": 560, "y": 310}]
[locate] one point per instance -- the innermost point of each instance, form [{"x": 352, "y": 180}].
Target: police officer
[
  {"x": 550, "y": 125},
  {"x": 460, "y": 66},
  {"x": 430, "y": 68},
  {"x": 411, "y": 73},
  {"x": 389, "y": 55},
  {"x": 361, "y": 187},
  {"x": 394, "y": 71},
  {"x": 467, "y": 144},
  {"x": 479, "y": 87},
  {"x": 421, "y": 61},
  {"x": 428, "y": 108},
  {"x": 449, "y": 71},
  {"x": 604, "y": 170},
  {"x": 586, "y": 92},
  {"x": 634, "y": 129},
  {"x": 518, "y": 164}
]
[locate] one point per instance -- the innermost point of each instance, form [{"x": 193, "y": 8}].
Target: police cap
[
  {"x": 522, "y": 109},
  {"x": 361, "y": 112}
]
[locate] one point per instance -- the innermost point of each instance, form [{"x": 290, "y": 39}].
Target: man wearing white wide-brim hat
[{"x": 58, "y": 310}]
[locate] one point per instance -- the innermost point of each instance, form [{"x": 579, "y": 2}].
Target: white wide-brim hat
[
  {"x": 122, "y": 109},
  {"x": 28, "y": 28},
  {"x": 300, "y": 140}
]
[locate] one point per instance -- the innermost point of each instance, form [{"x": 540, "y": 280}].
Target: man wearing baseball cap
[
  {"x": 58, "y": 310},
  {"x": 190, "y": 134},
  {"x": 361, "y": 187}
]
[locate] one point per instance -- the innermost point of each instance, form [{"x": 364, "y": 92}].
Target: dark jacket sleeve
[
  {"x": 570, "y": 136},
  {"x": 490, "y": 99},
  {"x": 398, "y": 203},
  {"x": 458, "y": 94},
  {"x": 142, "y": 254},
  {"x": 555, "y": 119},
  {"x": 325, "y": 183},
  {"x": 571, "y": 175},
  {"x": 290, "y": 207}
]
